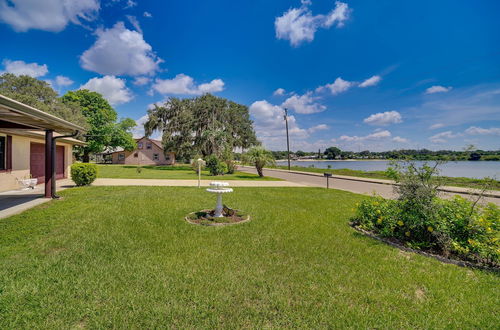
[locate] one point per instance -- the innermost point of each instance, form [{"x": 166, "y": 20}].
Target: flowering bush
[
  {"x": 458, "y": 228},
  {"x": 421, "y": 220}
]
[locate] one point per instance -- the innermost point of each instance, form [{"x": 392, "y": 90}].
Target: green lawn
[
  {"x": 447, "y": 181},
  {"x": 123, "y": 257},
  {"x": 179, "y": 172}
]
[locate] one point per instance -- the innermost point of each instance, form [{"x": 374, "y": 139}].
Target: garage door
[{"x": 37, "y": 161}]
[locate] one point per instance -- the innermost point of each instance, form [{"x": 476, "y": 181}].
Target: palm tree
[{"x": 259, "y": 157}]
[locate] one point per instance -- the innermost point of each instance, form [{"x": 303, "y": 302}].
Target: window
[
  {"x": 3, "y": 148},
  {"x": 121, "y": 156},
  {"x": 156, "y": 157},
  {"x": 139, "y": 145},
  {"x": 148, "y": 145},
  {"x": 136, "y": 155},
  {"x": 167, "y": 157}
]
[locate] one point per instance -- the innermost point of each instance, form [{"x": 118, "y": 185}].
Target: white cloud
[
  {"x": 443, "y": 137},
  {"x": 399, "y": 139},
  {"x": 130, "y": 4},
  {"x": 119, "y": 51},
  {"x": 22, "y": 68},
  {"x": 141, "y": 81},
  {"x": 63, "y": 81},
  {"x": 304, "y": 104},
  {"x": 269, "y": 124},
  {"x": 279, "y": 92},
  {"x": 184, "y": 85},
  {"x": 135, "y": 23},
  {"x": 47, "y": 15},
  {"x": 374, "y": 136},
  {"x": 299, "y": 24},
  {"x": 436, "y": 126},
  {"x": 338, "y": 86},
  {"x": 437, "y": 89},
  {"x": 473, "y": 130},
  {"x": 147, "y": 14},
  {"x": 384, "y": 118},
  {"x": 112, "y": 89},
  {"x": 320, "y": 127},
  {"x": 372, "y": 81}
]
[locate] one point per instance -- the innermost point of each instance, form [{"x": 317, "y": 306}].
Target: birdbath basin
[{"x": 219, "y": 188}]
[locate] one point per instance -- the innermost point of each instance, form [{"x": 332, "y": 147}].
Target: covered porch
[{"x": 42, "y": 153}]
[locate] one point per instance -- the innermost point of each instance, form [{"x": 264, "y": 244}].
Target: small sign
[{"x": 327, "y": 174}]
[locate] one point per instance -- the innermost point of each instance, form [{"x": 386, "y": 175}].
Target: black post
[
  {"x": 287, "y": 138},
  {"x": 48, "y": 163}
]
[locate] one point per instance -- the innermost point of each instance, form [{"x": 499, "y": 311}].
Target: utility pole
[{"x": 287, "y": 138}]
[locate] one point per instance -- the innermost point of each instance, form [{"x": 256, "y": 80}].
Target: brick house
[{"x": 148, "y": 152}]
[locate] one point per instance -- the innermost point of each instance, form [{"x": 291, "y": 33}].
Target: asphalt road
[{"x": 358, "y": 187}]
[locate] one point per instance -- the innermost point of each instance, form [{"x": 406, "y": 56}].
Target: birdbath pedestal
[{"x": 219, "y": 188}]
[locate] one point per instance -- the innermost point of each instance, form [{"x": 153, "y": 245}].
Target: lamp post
[
  {"x": 287, "y": 138},
  {"x": 200, "y": 161}
]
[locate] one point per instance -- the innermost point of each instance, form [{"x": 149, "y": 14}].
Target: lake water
[{"x": 468, "y": 169}]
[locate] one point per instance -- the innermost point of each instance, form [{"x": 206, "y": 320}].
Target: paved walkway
[
  {"x": 192, "y": 183},
  {"x": 360, "y": 185}
]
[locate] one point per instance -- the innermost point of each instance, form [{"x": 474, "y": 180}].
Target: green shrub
[
  {"x": 421, "y": 220},
  {"x": 83, "y": 174},
  {"x": 215, "y": 166}
]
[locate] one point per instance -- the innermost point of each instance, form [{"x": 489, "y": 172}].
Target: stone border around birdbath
[{"x": 244, "y": 219}]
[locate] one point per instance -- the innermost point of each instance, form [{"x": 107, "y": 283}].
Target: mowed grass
[
  {"x": 123, "y": 257},
  {"x": 179, "y": 172}
]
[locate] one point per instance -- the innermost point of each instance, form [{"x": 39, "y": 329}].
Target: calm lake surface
[{"x": 467, "y": 169}]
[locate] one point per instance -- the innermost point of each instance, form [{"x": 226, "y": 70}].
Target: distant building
[{"x": 148, "y": 152}]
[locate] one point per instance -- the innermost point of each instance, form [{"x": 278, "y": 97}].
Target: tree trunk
[
  {"x": 86, "y": 157},
  {"x": 259, "y": 171}
]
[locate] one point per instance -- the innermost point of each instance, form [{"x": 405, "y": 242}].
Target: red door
[{"x": 37, "y": 161}]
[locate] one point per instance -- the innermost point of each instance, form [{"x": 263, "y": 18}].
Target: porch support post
[{"x": 48, "y": 163}]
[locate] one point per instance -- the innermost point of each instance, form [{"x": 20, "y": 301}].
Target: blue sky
[{"x": 375, "y": 75}]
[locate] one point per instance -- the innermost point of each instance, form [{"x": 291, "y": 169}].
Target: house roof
[
  {"x": 14, "y": 114},
  {"x": 41, "y": 135}
]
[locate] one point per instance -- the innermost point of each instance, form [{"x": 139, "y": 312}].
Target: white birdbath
[{"x": 219, "y": 189}]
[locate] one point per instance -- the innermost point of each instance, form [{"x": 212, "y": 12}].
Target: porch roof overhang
[{"x": 17, "y": 115}]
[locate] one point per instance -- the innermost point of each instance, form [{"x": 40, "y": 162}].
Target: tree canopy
[
  {"x": 39, "y": 94},
  {"x": 203, "y": 125},
  {"x": 103, "y": 130}
]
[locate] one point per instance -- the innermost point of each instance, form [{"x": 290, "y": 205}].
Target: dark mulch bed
[
  {"x": 449, "y": 259},
  {"x": 206, "y": 217}
]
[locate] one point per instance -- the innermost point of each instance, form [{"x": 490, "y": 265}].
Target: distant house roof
[{"x": 158, "y": 143}]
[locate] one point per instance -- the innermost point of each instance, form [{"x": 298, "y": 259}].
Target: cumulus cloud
[
  {"x": 377, "y": 135},
  {"x": 436, "y": 126},
  {"x": 141, "y": 81},
  {"x": 22, "y": 68},
  {"x": 269, "y": 124},
  {"x": 47, "y": 15},
  {"x": 443, "y": 137},
  {"x": 320, "y": 127},
  {"x": 119, "y": 51},
  {"x": 111, "y": 88},
  {"x": 184, "y": 85},
  {"x": 63, "y": 81},
  {"x": 437, "y": 89},
  {"x": 279, "y": 92},
  {"x": 372, "y": 81},
  {"x": 130, "y": 4},
  {"x": 338, "y": 86},
  {"x": 399, "y": 139},
  {"x": 147, "y": 14},
  {"x": 473, "y": 130},
  {"x": 384, "y": 118},
  {"x": 304, "y": 104},
  {"x": 299, "y": 25}
]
